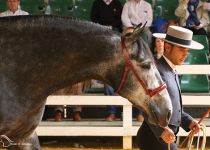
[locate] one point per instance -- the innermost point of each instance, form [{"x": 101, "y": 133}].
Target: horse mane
[{"x": 51, "y": 21}]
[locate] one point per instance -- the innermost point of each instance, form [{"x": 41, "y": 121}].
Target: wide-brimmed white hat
[{"x": 179, "y": 36}]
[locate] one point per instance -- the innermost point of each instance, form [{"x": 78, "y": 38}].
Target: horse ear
[{"x": 133, "y": 36}]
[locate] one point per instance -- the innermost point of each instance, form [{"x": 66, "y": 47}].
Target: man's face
[
  {"x": 176, "y": 54},
  {"x": 13, "y": 5}
]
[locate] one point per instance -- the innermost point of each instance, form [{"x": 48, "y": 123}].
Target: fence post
[{"x": 127, "y": 125}]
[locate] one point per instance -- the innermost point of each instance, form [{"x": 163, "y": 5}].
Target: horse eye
[
  {"x": 132, "y": 56},
  {"x": 145, "y": 65}
]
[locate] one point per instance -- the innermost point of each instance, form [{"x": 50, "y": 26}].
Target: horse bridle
[{"x": 130, "y": 66}]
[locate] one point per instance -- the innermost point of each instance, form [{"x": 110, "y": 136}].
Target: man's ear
[{"x": 167, "y": 46}]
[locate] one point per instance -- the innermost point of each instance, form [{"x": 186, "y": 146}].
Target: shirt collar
[
  {"x": 138, "y": 2},
  {"x": 173, "y": 67},
  {"x": 107, "y": 1},
  {"x": 16, "y": 12}
]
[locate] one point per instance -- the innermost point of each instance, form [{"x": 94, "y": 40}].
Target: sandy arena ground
[{"x": 90, "y": 143}]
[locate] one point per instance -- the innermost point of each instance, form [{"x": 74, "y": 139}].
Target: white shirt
[
  {"x": 107, "y": 1},
  {"x": 10, "y": 13},
  {"x": 137, "y": 12},
  {"x": 170, "y": 64}
]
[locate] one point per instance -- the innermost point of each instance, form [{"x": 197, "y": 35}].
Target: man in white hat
[{"x": 177, "y": 42}]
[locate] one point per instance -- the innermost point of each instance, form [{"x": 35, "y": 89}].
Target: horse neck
[
  {"x": 78, "y": 57},
  {"x": 95, "y": 59},
  {"x": 49, "y": 57}
]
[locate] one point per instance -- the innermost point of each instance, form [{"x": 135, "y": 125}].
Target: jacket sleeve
[
  {"x": 150, "y": 16},
  {"x": 157, "y": 130},
  {"x": 186, "y": 120},
  {"x": 192, "y": 11},
  {"x": 125, "y": 17}
]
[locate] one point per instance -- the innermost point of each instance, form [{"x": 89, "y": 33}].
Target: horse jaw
[{"x": 160, "y": 108}]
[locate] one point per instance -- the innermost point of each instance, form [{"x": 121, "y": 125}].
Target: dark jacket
[
  {"x": 109, "y": 15},
  {"x": 178, "y": 118},
  {"x": 192, "y": 20}
]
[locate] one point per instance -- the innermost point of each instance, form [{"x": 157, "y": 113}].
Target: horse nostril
[{"x": 169, "y": 115}]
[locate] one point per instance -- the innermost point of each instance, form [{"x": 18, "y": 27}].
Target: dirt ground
[{"x": 90, "y": 143}]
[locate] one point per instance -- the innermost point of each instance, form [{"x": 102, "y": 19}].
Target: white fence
[{"x": 127, "y": 130}]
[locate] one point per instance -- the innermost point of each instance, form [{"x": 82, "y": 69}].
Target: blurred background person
[
  {"x": 13, "y": 9},
  {"x": 193, "y": 16},
  {"x": 158, "y": 48},
  {"x": 108, "y": 13},
  {"x": 136, "y": 12},
  {"x": 76, "y": 89}
]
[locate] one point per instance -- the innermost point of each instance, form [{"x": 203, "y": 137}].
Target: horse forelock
[
  {"x": 144, "y": 48},
  {"x": 62, "y": 23}
]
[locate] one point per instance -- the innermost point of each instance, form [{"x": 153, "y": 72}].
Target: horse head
[{"x": 143, "y": 84}]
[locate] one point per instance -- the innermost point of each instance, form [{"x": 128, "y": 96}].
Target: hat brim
[{"x": 194, "y": 45}]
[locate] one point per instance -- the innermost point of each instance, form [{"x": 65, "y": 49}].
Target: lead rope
[
  {"x": 169, "y": 147},
  {"x": 191, "y": 135}
]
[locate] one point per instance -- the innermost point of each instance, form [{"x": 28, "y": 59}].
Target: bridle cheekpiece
[{"x": 129, "y": 66}]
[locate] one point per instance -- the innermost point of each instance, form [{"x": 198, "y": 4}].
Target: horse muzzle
[{"x": 159, "y": 115}]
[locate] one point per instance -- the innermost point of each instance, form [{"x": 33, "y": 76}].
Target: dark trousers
[{"x": 146, "y": 140}]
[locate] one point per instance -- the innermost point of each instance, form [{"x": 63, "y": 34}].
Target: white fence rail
[
  {"x": 127, "y": 130},
  {"x": 194, "y": 69}
]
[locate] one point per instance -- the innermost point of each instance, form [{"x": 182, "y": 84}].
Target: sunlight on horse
[{"x": 42, "y": 54}]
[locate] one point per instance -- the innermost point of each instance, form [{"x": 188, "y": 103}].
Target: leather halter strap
[{"x": 130, "y": 66}]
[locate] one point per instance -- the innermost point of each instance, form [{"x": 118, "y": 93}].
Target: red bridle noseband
[{"x": 130, "y": 66}]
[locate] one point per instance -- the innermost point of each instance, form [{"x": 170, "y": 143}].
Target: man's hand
[
  {"x": 199, "y": 26},
  {"x": 168, "y": 136},
  {"x": 194, "y": 126}
]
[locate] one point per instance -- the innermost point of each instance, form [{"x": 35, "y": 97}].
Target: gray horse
[{"x": 42, "y": 54}]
